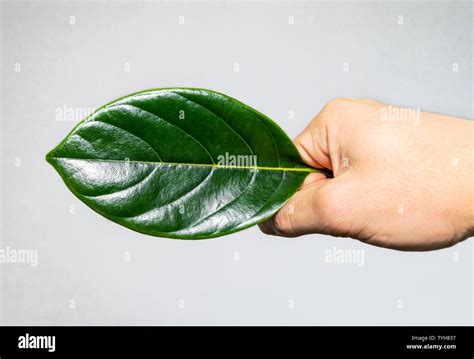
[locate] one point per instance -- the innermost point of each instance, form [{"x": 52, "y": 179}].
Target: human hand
[{"x": 404, "y": 185}]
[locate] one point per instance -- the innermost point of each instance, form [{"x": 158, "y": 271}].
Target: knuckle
[
  {"x": 335, "y": 104},
  {"x": 338, "y": 107}
]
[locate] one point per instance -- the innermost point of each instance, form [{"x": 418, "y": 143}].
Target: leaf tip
[{"x": 50, "y": 156}]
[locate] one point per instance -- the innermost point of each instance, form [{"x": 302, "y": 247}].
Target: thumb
[{"x": 308, "y": 211}]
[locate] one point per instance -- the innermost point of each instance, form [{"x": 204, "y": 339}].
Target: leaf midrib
[{"x": 258, "y": 168}]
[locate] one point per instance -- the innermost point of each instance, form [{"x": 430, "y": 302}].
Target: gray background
[{"x": 283, "y": 68}]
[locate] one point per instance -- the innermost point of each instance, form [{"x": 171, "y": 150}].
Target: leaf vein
[
  {"x": 218, "y": 117},
  {"x": 120, "y": 128},
  {"x": 171, "y": 124}
]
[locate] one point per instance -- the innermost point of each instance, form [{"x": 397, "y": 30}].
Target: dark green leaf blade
[{"x": 180, "y": 163}]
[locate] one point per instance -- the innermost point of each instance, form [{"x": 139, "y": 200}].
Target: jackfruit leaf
[{"x": 180, "y": 163}]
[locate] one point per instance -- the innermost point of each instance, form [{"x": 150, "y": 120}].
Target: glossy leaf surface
[{"x": 180, "y": 163}]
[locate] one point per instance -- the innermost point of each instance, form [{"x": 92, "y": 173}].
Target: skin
[{"x": 405, "y": 185}]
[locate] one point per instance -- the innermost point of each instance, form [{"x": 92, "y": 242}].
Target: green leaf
[{"x": 180, "y": 163}]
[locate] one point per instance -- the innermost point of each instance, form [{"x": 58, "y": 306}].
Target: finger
[
  {"x": 312, "y": 178},
  {"x": 318, "y": 143},
  {"x": 313, "y": 151},
  {"x": 307, "y": 211},
  {"x": 312, "y": 143}
]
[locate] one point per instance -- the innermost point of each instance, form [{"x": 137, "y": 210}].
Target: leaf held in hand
[{"x": 180, "y": 163}]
